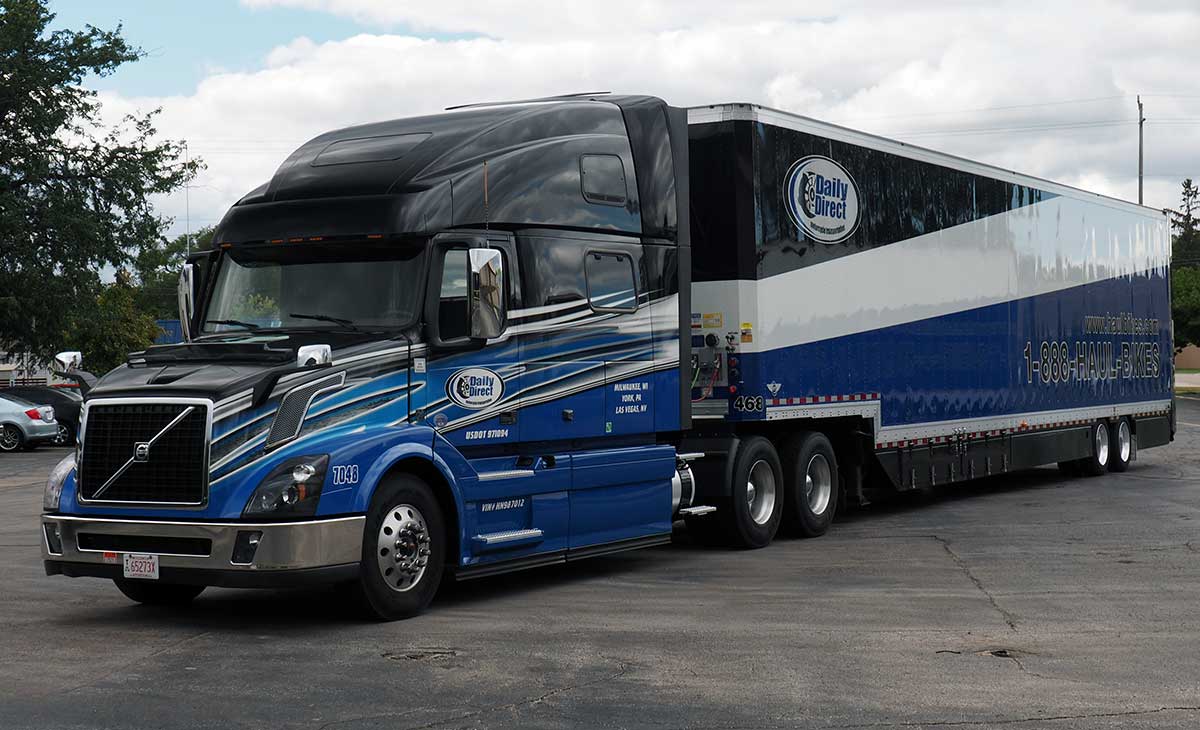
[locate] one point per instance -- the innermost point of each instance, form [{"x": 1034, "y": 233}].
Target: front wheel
[
  {"x": 403, "y": 550},
  {"x": 153, "y": 593}
]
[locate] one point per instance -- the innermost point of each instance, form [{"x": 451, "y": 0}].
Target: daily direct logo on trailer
[
  {"x": 822, "y": 199},
  {"x": 475, "y": 388}
]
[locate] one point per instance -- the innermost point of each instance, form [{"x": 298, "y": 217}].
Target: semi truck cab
[{"x": 449, "y": 343}]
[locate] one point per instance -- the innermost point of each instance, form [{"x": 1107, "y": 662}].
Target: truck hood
[
  {"x": 219, "y": 370},
  {"x": 368, "y": 382}
]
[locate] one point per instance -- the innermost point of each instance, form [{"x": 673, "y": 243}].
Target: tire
[
  {"x": 403, "y": 550},
  {"x": 755, "y": 506},
  {"x": 1121, "y": 443},
  {"x": 811, "y": 486},
  {"x": 1097, "y": 463},
  {"x": 11, "y": 438},
  {"x": 153, "y": 593},
  {"x": 64, "y": 435}
]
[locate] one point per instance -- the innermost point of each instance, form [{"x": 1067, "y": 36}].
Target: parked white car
[{"x": 25, "y": 425}]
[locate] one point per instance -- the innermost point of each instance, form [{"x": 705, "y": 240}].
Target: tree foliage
[
  {"x": 1185, "y": 226},
  {"x": 75, "y": 194},
  {"x": 157, "y": 269},
  {"x": 1185, "y": 267},
  {"x": 116, "y": 327}
]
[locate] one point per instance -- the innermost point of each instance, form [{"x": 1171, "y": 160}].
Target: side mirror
[
  {"x": 69, "y": 360},
  {"x": 187, "y": 299},
  {"x": 314, "y": 355},
  {"x": 485, "y": 293}
]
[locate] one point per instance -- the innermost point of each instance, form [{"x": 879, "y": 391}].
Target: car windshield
[
  {"x": 353, "y": 286},
  {"x": 16, "y": 399}
]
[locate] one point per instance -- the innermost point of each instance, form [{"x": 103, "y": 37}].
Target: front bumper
[{"x": 287, "y": 553}]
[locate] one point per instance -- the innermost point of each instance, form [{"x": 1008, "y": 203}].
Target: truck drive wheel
[
  {"x": 812, "y": 488},
  {"x": 1121, "y": 445},
  {"x": 403, "y": 550},
  {"x": 153, "y": 593},
  {"x": 1097, "y": 463},
  {"x": 755, "y": 507}
]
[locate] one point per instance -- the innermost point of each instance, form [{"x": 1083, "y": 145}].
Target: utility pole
[
  {"x": 1141, "y": 124},
  {"x": 187, "y": 202}
]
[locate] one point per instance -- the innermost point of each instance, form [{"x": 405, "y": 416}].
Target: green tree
[
  {"x": 157, "y": 269},
  {"x": 74, "y": 194},
  {"x": 115, "y": 327},
  {"x": 1185, "y": 267},
  {"x": 1185, "y": 225}
]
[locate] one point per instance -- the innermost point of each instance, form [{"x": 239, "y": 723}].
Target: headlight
[
  {"x": 290, "y": 490},
  {"x": 54, "y": 484}
]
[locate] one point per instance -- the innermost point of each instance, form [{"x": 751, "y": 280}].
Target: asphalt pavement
[{"x": 1025, "y": 601}]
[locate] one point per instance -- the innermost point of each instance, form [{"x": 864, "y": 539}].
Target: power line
[
  {"x": 1029, "y": 128},
  {"x": 983, "y": 109}
]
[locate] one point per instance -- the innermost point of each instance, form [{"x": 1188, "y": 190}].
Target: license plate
[{"x": 141, "y": 566}]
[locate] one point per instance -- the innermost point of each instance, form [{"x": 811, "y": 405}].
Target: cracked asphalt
[{"x": 1028, "y": 601}]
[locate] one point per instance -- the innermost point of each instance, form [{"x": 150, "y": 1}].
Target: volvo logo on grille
[{"x": 141, "y": 451}]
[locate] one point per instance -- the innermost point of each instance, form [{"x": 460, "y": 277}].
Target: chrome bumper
[{"x": 202, "y": 546}]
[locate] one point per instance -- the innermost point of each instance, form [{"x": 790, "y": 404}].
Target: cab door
[{"x": 516, "y": 504}]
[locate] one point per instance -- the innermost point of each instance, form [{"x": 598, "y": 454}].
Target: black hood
[{"x": 220, "y": 369}]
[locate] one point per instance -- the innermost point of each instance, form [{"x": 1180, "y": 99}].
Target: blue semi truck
[{"x": 519, "y": 334}]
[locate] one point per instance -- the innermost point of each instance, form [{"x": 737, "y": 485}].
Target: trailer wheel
[
  {"x": 153, "y": 593},
  {"x": 1097, "y": 463},
  {"x": 811, "y": 475},
  {"x": 756, "y": 495},
  {"x": 403, "y": 549},
  {"x": 1121, "y": 441}
]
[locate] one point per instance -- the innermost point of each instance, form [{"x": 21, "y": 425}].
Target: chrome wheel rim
[
  {"x": 403, "y": 547},
  {"x": 9, "y": 439},
  {"x": 1101, "y": 438},
  {"x": 818, "y": 484},
  {"x": 760, "y": 492},
  {"x": 1124, "y": 441},
  {"x": 62, "y": 436}
]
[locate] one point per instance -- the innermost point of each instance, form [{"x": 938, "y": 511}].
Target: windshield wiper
[
  {"x": 236, "y": 323},
  {"x": 347, "y": 323}
]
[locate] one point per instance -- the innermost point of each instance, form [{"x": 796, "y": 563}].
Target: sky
[{"x": 1047, "y": 89}]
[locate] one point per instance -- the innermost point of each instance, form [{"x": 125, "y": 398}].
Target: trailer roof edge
[{"x": 746, "y": 111}]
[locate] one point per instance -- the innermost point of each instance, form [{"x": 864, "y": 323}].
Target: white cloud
[{"x": 907, "y": 73}]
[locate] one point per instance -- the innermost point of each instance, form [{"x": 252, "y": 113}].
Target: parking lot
[{"x": 1026, "y": 601}]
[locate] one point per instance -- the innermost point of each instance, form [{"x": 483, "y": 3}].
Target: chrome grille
[{"x": 145, "y": 452}]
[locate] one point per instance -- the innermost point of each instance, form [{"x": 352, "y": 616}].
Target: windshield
[{"x": 307, "y": 286}]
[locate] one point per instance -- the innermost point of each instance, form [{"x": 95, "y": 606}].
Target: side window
[
  {"x": 603, "y": 179},
  {"x": 553, "y": 271},
  {"x": 610, "y": 282},
  {"x": 452, "y": 298}
]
